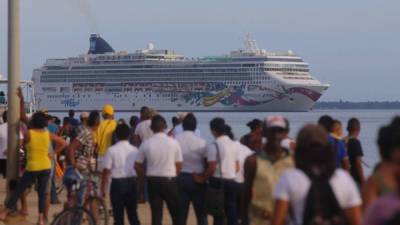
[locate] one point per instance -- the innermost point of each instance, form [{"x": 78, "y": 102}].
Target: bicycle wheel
[
  {"x": 98, "y": 209},
  {"x": 74, "y": 216}
]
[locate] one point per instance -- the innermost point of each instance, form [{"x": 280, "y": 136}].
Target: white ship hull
[{"x": 265, "y": 101}]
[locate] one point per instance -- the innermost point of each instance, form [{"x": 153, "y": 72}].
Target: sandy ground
[{"x": 143, "y": 211}]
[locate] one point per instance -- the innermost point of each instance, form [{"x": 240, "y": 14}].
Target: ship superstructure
[{"x": 249, "y": 79}]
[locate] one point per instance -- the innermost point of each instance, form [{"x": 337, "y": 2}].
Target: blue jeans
[
  {"x": 192, "y": 192},
  {"x": 29, "y": 177},
  {"x": 230, "y": 201}
]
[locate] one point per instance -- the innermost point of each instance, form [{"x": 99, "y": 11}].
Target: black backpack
[{"x": 322, "y": 207}]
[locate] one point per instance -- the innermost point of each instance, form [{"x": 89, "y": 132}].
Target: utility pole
[{"x": 14, "y": 72}]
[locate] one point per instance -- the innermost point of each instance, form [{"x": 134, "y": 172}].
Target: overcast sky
[{"x": 353, "y": 45}]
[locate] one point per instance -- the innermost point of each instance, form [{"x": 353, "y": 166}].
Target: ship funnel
[{"x": 98, "y": 45}]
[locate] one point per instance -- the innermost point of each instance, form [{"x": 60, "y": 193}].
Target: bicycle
[
  {"x": 73, "y": 214},
  {"x": 93, "y": 205},
  {"x": 94, "y": 202}
]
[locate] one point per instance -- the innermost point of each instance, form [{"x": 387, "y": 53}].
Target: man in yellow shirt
[{"x": 104, "y": 133}]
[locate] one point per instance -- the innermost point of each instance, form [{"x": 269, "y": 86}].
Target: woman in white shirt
[
  {"x": 315, "y": 158},
  {"x": 223, "y": 164}
]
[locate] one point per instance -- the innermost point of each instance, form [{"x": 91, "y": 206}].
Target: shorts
[{"x": 3, "y": 167}]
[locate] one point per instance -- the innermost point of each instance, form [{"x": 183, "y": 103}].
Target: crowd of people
[{"x": 264, "y": 177}]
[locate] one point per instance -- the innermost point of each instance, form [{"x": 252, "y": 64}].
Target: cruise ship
[{"x": 248, "y": 79}]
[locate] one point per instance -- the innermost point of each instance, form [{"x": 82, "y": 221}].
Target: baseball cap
[
  {"x": 275, "y": 121},
  {"x": 108, "y": 109}
]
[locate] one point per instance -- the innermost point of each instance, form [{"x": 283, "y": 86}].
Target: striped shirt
[{"x": 85, "y": 151}]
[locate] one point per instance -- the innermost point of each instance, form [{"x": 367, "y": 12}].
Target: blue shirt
[
  {"x": 53, "y": 128},
  {"x": 340, "y": 149},
  {"x": 74, "y": 122}
]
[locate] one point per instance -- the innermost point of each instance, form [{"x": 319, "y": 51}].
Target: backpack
[{"x": 321, "y": 206}]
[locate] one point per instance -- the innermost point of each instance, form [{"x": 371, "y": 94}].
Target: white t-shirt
[
  {"x": 3, "y": 140},
  {"x": 228, "y": 151},
  {"x": 160, "y": 153},
  {"x": 120, "y": 159},
  {"x": 193, "y": 152},
  {"x": 179, "y": 130},
  {"x": 143, "y": 130},
  {"x": 293, "y": 187},
  {"x": 243, "y": 153}
]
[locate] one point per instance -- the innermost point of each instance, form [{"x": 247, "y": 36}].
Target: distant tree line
[{"x": 358, "y": 105}]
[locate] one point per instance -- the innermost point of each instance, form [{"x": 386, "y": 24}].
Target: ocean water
[{"x": 371, "y": 121}]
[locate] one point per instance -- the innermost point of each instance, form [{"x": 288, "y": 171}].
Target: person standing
[
  {"x": 253, "y": 140},
  {"x": 163, "y": 156},
  {"x": 243, "y": 153},
  {"x": 52, "y": 196},
  {"x": 3, "y": 145},
  {"x": 51, "y": 192},
  {"x": 104, "y": 134},
  {"x": 333, "y": 130},
  {"x": 383, "y": 179},
  {"x": 143, "y": 130},
  {"x": 354, "y": 150},
  {"x": 81, "y": 151},
  {"x": 316, "y": 192},
  {"x": 133, "y": 122},
  {"x": 65, "y": 130},
  {"x": 37, "y": 141},
  {"x": 71, "y": 117},
  {"x": 222, "y": 166},
  {"x": 83, "y": 122},
  {"x": 119, "y": 165},
  {"x": 175, "y": 122},
  {"x": 385, "y": 210},
  {"x": 178, "y": 127},
  {"x": 262, "y": 172},
  {"x": 52, "y": 126},
  {"x": 337, "y": 130},
  {"x": 194, "y": 155},
  {"x": 3, "y": 158}
]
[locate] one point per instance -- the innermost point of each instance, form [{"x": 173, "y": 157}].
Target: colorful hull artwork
[{"x": 229, "y": 97}]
